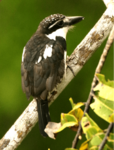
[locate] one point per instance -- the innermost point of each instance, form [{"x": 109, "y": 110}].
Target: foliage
[
  {"x": 104, "y": 99},
  {"x": 94, "y": 135},
  {"x": 102, "y": 106},
  {"x": 71, "y": 120}
]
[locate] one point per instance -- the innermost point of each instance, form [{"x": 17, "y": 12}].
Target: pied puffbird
[{"x": 44, "y": 61}]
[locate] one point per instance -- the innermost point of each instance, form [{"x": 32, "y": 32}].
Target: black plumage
[{"x": 43, "y": 63}]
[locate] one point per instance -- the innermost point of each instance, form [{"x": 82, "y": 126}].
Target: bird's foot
[{"x": 71, "y": 70}]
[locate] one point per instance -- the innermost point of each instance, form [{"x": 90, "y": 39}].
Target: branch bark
[
  {"x": 78, "y": 58},
  {"x": 108, "y": 2},
  {"x": 94, "y": 82}
]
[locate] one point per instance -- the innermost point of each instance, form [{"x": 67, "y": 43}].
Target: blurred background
[{"x": 18, "y": 21}]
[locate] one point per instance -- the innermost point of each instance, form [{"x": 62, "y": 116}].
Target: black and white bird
[{"x": 44, "y": 61}]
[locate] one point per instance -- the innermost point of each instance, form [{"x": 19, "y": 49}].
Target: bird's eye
[{"x": 60, "y": 23}]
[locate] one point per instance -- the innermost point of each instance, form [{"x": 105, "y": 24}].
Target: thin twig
[
  {"x": 94, "y": 82},
  {"x": 111, "y": 125}
]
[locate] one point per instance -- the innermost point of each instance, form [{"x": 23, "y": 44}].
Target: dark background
[{"x": 18, "y": 21}]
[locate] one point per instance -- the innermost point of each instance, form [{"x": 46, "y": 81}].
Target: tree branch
[
  {"x": 78, "y": 58},
  {"x": 111, "y": 125},
  {"x": 94, "y": 82},
  {"x": 108, "y": 2}
]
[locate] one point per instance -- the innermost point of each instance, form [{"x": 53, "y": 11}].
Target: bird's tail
[{"x": 43, "y": 115}]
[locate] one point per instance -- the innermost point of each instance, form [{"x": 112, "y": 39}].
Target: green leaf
[
  {"x": 93, "y": 148},
  {"x": 84, "y": 146},
  {"x": 70, "y": 149},
  {"x": 78, "y": 113},
  {"x": 89, "y": 127},
  {"x": 101, "y": 79},
  {"x": 95, "y": 135},
  {"x": 72, "y": 118},
  {"x": 72, "y": 103},
  {"x": 106, "y": 89},
  {"x": 101, "y": 109},
  {"x": 75, "y": 106},
  {"x": 76, "y": 110},
  {"x": 66, "y": 118},
  {"x": 111, "y": 118},
  {"x": 92, "y": 123},
  {"x": 94, "y": 142},
  {"x": 65, "y": 125},
  {"x": 111, "y": 140},
  {"x": 97, "y": 139},
  {"x": 104, "y": 99}
]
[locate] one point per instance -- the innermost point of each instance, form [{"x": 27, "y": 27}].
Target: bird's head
[{"x": 57, "y": 25}]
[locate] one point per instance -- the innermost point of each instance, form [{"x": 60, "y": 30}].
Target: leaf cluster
[{"x": 103, "y": 106}]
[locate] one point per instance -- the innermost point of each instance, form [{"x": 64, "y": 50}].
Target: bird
[{"x": 43, "y": 62}]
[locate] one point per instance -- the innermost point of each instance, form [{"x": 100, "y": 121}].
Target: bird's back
[{"x": 42, "y": 65}]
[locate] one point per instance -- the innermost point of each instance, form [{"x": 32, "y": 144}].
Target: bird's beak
[{"x": 68, "y": 21}]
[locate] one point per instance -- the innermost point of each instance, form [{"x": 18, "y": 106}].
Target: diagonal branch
[
  {"x": 111, "y": 125},
  {"x": 94, "y": 82},
  {"x": 108, "y": 2},
  {"x": 98, "y": 70},
  {"x": 78, "y": 58}
]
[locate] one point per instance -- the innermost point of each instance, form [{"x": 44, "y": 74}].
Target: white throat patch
[{"x": 60, "y": 32}]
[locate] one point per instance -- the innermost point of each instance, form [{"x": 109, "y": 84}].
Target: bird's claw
[{"x": 71, "y": 70}]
